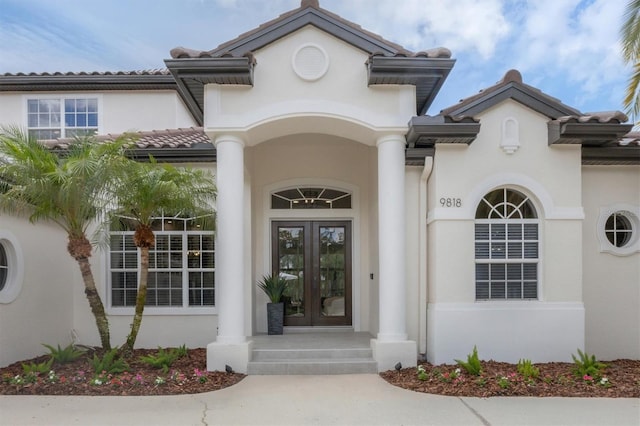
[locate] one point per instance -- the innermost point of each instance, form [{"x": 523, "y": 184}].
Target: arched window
[
  {"x": 506, "y": 247},
  {"x": 4, "y": 266},
  {"x": 311, "y": 198}
]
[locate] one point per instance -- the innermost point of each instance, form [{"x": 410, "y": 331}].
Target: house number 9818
[{"x": 450, "y": 202}]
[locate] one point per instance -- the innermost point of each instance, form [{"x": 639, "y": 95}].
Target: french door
[{"x": 315, "y": 257}]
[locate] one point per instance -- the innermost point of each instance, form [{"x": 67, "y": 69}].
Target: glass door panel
[
  {"x": 332, "y": 270},
  {"x": 291, "y": 266}
]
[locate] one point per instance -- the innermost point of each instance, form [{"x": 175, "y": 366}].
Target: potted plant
[{"x": 274, "y": 287}]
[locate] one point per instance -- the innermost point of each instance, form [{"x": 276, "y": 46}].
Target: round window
[
  {"x": 4, "y": 266},
  {"x": 618, "y": 229}
]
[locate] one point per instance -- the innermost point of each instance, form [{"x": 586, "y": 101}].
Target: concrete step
[
  {"x": 313, "y": 366},
  {"x": 301, "y": 354}
]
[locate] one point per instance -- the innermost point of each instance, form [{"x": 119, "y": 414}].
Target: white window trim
[
  {"x": 538, "y": 261},
  {"x": 15, "y": 275},
  {"x": 632, "y": 213},
  {"x": 98, "y": 96},
  {"x": 154, "y": 310}
]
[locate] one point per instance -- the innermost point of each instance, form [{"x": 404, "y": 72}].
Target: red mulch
[
  {"x": 555, "y": 379},
  {"x": 187, "y": 375}
]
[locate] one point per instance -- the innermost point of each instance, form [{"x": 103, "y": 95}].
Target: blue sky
[{"x": 567, "y": 48}]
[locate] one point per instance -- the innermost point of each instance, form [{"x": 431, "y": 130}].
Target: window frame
[
  {"x": 632, "y": 214},
  {"x": 185, "y": 309},
  {"x": 507, "y": 243},
  {"x": 64, "y": 129},
  {"x": 15, "y": 267}
]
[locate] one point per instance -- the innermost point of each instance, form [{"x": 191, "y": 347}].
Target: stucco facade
[{"x": 311, "y": 101}]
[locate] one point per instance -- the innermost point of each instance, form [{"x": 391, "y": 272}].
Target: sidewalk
[{"x": 315, "y": 400}]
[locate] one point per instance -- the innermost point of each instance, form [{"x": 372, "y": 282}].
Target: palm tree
[
  {"x": 67, "y": 189},
  {"x": 149, "y": 190},
  {"x": 631, "y": 51}
]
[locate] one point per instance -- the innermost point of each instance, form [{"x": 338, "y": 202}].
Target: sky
[{"x": 569, "y": 49}]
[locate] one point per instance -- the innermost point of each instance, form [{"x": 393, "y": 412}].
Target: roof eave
[
  {"x": 48, "y": 82},
  {"x": 611, "y": 155},
  {"x": 192, "y": 74},
  {"x": 427, "y": 74},
  {"x": 589, "y": 133}
]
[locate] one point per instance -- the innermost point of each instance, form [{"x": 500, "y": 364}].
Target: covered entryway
[{"x": 315, "y": 257}]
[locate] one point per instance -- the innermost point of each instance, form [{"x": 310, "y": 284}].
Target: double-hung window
[
  {"x": 506, "y": 247},
  {"x": 181, "y": 265},
  {"x": 62, "y": 117}
]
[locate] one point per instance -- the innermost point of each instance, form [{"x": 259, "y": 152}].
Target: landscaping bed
[
  {"x": 619, "y": 379},
  {"x": 186, "y": 375}
]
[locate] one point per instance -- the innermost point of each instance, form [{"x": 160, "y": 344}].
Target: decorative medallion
[{"x": 310, "y": 62}]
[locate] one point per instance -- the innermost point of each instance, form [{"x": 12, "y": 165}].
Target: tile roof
[
  {"x": 159, "y": 71},
  {"x": 154, "y": 139}
]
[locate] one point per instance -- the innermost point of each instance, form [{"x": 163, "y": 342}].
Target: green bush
[
  {"x": 110, "y": 363},
  {"x": 39, "y": 368},
  {"x": 163, "y": 359},
  {"x": 587, "y": 365},
  {"x": 527, "y": 369},
  {"x": 472, "y": 365},
  {"x": 63, "y": 356}
]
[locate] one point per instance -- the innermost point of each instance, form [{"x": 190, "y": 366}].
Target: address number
[{"x": 451, "y": 202}]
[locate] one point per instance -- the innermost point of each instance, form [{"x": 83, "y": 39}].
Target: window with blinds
[{"x": 506, "y": 247}]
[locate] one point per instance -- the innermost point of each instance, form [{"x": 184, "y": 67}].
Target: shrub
[
  {"x": 587, "y": 365},
  {"x": 527, "y": 369},
  {"x": 163, "y": 359},
  {"x": 110, "y": 363},
  {"x": 39, "y": 368},
  {"x": 182, "y": 351},
  {"x": 63, "y": 356},
  {"x": 472, "y": 365}
]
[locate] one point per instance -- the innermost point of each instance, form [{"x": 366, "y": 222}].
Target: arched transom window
[
  {"x": 310, "y": 198},
  {"x": 506, "y": 247}
]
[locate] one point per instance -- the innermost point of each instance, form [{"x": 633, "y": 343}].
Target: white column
[
  {"x": 230, "y": 239},
  {"x": 391, "y": 345},
  {"x": 391, "y": 240},
  {"x": 231, "y": 346}
]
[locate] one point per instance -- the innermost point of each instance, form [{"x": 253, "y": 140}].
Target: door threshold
[{"x": 317, "y": 329}]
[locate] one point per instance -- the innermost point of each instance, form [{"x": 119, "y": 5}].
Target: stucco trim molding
[
  {"x": 632, "y": 213},
  {"x": 13, "y": 285}
]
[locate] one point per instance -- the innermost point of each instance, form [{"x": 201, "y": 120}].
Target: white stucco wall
[
  {"x": 119, "y": 111},
  {"x": 308, "y": 106},
  {"x": 550, "y": 176},
  {"x": 611, "y": 282},
  {"x": 42, "y": 311}
]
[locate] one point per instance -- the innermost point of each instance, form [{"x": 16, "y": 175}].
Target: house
[{"x": 509, "y": 221}]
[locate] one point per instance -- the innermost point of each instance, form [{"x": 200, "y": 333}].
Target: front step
[
  {"x": 313, "y": 366},
  {"x": 314, "y": 353}
]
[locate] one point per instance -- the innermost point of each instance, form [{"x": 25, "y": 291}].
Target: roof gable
[
  {"x": 232, "y": 62},
  {"x": 511, "y": 87}
]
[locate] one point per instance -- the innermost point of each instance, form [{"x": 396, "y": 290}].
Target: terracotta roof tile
[
  {"x": 154, "y": 139},
  {"x": 160, "y": 71}
]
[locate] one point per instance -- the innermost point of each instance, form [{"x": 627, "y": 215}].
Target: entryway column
[
  {"x": 231, "y": 347},
  {"x": 391, "y": 345}
]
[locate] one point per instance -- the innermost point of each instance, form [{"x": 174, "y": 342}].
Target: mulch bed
[
  {"x": 502, "y": 379},
  {"x": 187, "y": 375}
]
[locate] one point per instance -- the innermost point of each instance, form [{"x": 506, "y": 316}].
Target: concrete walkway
[{"x": 363, "y": 399}]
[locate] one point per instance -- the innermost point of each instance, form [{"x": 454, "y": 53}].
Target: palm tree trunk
[
  {"x": 94, "y": 301},
  {"x": 140, "y": 299}
]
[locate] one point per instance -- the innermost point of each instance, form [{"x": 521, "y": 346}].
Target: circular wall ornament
[{"x": 310, "y": 62}]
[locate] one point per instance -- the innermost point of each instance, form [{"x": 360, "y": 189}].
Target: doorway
[{"x": 315, "y": 258}]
